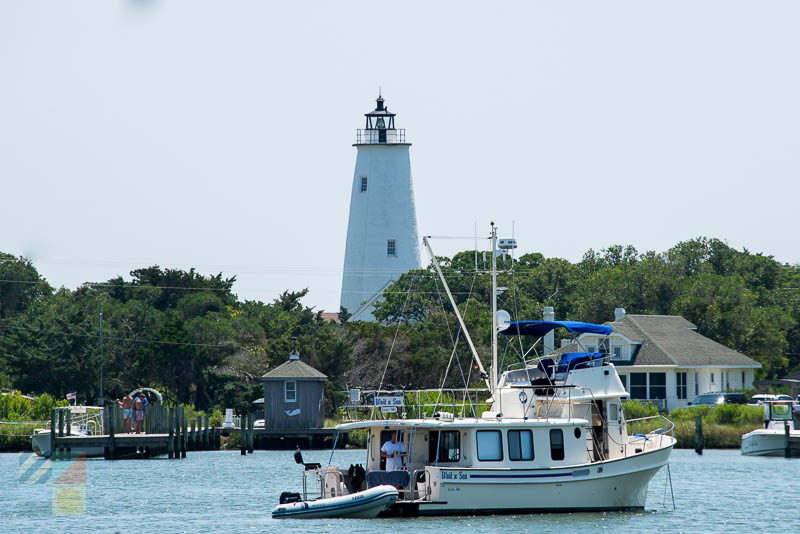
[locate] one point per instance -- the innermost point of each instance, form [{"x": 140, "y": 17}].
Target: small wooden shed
[{"x": 294, "y": 396}]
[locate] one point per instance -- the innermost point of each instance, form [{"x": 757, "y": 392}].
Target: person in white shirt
[{"x": 393, "y": 452}]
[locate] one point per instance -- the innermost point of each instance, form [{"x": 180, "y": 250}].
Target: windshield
[{"x": 708, "y": 399}]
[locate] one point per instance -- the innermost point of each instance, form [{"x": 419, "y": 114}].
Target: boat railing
[
  {"x": 415, "y": 404},
  {"x": 90, "y": 420},
  {"x": 667, "y": 428}
]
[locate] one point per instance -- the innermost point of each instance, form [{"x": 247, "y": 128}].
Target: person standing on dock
[
  {"x": 138, "y": 410},
  {"x": 393, "y": 452},
  {"x": 127, "y": 412}
]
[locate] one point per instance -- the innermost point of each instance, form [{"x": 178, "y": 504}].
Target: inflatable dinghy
[{"x": 368, "y": 503}]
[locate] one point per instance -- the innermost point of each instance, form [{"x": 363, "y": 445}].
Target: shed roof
[
  {"x": 294, "y": 369},
  {"x": 672, "y": 340}
]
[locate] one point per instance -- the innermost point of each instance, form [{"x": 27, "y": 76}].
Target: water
[{"x": 720, "y": 491}]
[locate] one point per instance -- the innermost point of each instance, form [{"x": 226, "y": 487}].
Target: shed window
[
  {"x": 490, "y": 445},
  {"x": 444, "y": 446},
  {"x": 557, "y": 444},
  {"x": 290, "y": 391},
  {"x": 520, "y": 445}
]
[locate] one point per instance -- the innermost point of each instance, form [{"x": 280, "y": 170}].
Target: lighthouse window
[
  {"x": 490, "y": 445},
  {"x": 391, "y": 247},
  {"x": 363, "y": 184}
]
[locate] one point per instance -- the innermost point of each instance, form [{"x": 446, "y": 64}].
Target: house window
[
  {"x": 658, "y": 385},
  {"x": 490, "y": 445},
  {"x": 617, "y": 353},
  {"x": 290, "y": 391},
  {"x": 697, "y": 384},
  {"x": 444, "y": 446},
  {"x": 624, "y": 380},
  {"x": 712, "y": 378},
  {"x": 743, "y": 384},
  {"x": 363, "y": 184},
  {"x": 391, "y": 247},
  {"x": 556, "y": 444},
  {"x": 520, "y": 445},
  {"x": 591, "y": 348},
  {"x": 638, "y": 389},
  {"x": 681, "y": 379},
  {"x": 727, "y": 381}
]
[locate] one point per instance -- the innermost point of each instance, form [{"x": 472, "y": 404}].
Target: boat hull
[
  {"x": 364, "y": 504},
  {"x": 606, "y": 486},
  {"x": 40, "y": 442},
  {"x": 770, "y": 442}
]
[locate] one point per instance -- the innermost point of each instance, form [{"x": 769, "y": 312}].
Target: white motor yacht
[{"x": 553, "y": 439}]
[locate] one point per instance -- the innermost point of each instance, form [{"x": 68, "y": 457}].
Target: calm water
[{"x": 720, "y": 491}]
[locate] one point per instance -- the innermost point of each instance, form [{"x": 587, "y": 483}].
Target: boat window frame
[
  {"x": 519, "y": 432},
  {"x": 499, "y": 445},
  {"x": 553, "y": 449},
  {"x": 436, "y": 436}
]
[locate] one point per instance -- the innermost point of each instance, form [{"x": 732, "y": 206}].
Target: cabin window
[
  {"x": 444, "y": 446},
  {"x": 520, "y": 445},
  {"x": 391, "y": 247},
  {"x": 681, "y": 382},
  {"x": 490, "y": 445},
  {"x": 290, "y": 391},
  {"x": 556, "y": 444},
  {"x": 658, "y": 386},
  {"x": 363, "y": 184},
  {"x": 613, "y": 412},
  {"x": 638, "y": 389}
]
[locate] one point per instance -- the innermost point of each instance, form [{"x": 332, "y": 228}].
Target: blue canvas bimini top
[{"x": 540, "y": 328}]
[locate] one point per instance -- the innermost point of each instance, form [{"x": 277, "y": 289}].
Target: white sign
[
  {"x": 389, "y": 401},
  {"x": 388, "y": 409}
]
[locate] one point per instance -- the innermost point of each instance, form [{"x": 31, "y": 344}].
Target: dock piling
[
  {"x": 698, "y": 434},
  {"x": 53, "y": 433},
  {"x": 787, "y": 444}
]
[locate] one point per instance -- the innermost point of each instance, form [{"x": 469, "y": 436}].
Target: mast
[
  {"x": 494, "y": 306},
  {"x": 458, "y": 314}
]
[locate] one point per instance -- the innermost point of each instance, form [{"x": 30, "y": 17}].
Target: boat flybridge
[{"x": 551, "y": 436}]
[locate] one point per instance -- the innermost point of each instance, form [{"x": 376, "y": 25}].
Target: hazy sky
[{"x": 218, "y": 134}]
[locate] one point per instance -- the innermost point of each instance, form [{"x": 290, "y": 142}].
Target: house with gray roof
[
  {"x": 662, "y": 358},
  {"x": 294, "y": 396}
]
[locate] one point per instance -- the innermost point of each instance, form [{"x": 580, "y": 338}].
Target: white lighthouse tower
[{"x": 382, "y": 238}]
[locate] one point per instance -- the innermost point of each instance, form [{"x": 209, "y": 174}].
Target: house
[
  {"x": 294, "y": 396},
  {"x": 663, "y": 359}
]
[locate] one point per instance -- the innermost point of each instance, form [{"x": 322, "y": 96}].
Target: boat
[
  {"x": 363, "y": 504},
  {"x": 84, "y": 421},
  {"x": 553, "y": 439},
  {"x": 780, "y": 435}
]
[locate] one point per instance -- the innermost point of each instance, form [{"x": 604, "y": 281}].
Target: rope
[{"x": 396, "y": 332}]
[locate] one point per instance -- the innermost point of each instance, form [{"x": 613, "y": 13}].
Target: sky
[{"x": 218, "y": 135}]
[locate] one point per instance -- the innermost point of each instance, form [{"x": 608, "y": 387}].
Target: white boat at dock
[
  {"x": 85, "y": 421},
  {"x": 780, "y": 435}
]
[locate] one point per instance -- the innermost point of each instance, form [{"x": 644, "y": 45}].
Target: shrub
[{"x": 634, "y": 409}]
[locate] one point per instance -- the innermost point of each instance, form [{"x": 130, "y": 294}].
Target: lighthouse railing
[{"x": 380, "y": 137}]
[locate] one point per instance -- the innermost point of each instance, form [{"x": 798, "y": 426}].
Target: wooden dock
[{"x": 166, "y": 432}]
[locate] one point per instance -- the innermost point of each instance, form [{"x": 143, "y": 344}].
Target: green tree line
[{"x": 189, "y": 335}]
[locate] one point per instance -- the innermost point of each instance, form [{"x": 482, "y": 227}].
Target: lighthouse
[{"x": 382, "y": 238}]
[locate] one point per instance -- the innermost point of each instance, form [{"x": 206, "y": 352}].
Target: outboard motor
[{"x": 288, "y": 496}]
